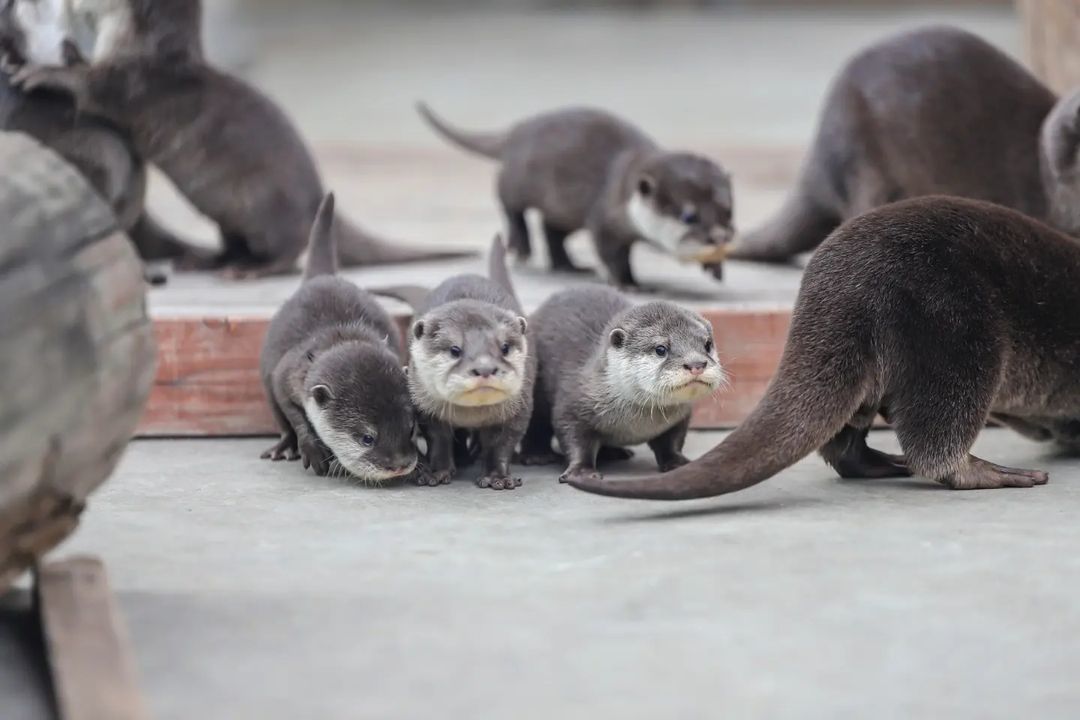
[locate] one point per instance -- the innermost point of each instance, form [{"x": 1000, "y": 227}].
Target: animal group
[{"x": 941, "y": 198}]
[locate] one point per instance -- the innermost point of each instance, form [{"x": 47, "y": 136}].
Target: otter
[
  {"x": 893, "y": 128},
  {"x": 332, "y": 371},
  {"x": 585, "y": 168},
  {"x": 228, "y": 148},
  {"x": 471, "y": 372},
  {"x": 942, "y": 312},
  {"x": 615, "y": 374},
  {"x": 99, "y": 151}
]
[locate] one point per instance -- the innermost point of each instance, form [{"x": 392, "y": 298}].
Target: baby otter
[
  {"x": 471, "y": 368},
  {"x": 331, "y": 369},
  {"x": 616, "y": 374},
  {"x": 585, "y": 168}
]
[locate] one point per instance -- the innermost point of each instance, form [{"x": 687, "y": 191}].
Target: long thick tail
[
  {"x": 322, "y": 242},
  {"x": 488, "y": 144},
  {"x": 498, "y": 272},
  {"x": 816, "y": 391},
  {"x": 799, "y": 226},
  {"x": 357, "y": 247}
]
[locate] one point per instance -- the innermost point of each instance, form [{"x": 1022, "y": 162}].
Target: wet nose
[
  {"x": 485, "y": 371},
  {"x": 401, "y": 464},
  {"x": 721, "y": 234},
  {"x": 695, "y": 368}
]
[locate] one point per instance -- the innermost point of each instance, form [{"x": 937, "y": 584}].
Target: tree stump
[
  {"x": 1052, "y": 29},
  {"x": 77, "y": 351}
]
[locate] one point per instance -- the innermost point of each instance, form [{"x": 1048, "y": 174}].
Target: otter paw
[
  {"x": 284, "y": 449},
  {"x": 433, "y": 478},
  {"x": 539, "y": 458},
  {"x": 316, "y": 457},
  {"x": 675, "y": 461},
  {"x": 35, "y": 77},
  {"x": 582, "y": 475},
  {"x": 498, "y": 482}
]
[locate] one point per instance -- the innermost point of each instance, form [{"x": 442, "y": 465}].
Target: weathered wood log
[
  {"x": 1052, "y": 29},
  {"x": 77, "y": 350}
]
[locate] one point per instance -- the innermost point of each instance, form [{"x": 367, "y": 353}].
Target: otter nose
[
  {"x": 695, "y": 368},
  {"x": 484, "y": 371}
]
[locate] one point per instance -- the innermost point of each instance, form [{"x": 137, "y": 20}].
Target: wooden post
[{"x": 1052, "y": 30}]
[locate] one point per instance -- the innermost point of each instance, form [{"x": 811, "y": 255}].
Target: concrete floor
[{"x": 256, "y": 590}]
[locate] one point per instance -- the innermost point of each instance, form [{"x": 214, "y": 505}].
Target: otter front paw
[
  {"x": 433, "y": 478},
  {"x": 316, "y": 457},
  {"x": 581, "y": 474},
  {"x": 284, "y": 449},
  {"x": 498, "y": 482},
  {"x": 675, "y": 461},
  {"x": 29, "y": 78}
]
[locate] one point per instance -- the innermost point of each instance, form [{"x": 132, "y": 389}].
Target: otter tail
[
  {"x": 488, "y": 144},
  {"x": 798, "y": 227},
  {"x": 498, "y": 272},
  {"x": 322, "y": 242},
  {"x": 357, "y": 247},
  {"x": 415, "y": 296},
  {"x": 822, "y": 380}
]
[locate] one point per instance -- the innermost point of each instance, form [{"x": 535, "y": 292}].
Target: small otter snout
[
  {"x": 484, "y": 371},
  {"x": 695, "y": 368},
  {"x": 721, "y": 234}
]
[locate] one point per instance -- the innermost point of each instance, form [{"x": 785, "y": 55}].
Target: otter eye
[
  {"x": 455, "y": 351},
  {"x": 661, "y": 350},
  {"x": 368, "y": 440},
  {"x": 690, "y": 217},
  {"x": 506, "y": 349},
  {"x": 708, "y": 346}
]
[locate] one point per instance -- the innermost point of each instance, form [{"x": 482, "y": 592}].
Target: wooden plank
[
  {"x": 208, "y": 372},
  {"x": 93, "y": 668}
]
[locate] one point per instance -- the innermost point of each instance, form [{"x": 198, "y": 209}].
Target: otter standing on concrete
[
  {"x": 934, "y": 111},
  {"x": 99, "y": 151},
  {"x": 941, "y": 310},
  {"x": 471, "y": 368},
  {"x": 225, "y": 146},
  {"x": 584, "y": 168},
  {"x": 331, "y": 369},
  {"x": 614, "y": 374}
]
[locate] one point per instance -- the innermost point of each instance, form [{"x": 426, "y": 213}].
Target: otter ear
[
  {"x": 523, "y": 324},
  {"x": 418, "y": 329},
  {"x": 322, "y": 394},
  {"x": 405, "y": 369},
  {"x": 646, "y": 185},
  {"x": 618, "y": 337}
]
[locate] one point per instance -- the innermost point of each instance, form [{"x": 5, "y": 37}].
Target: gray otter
[
  {"x": 893, "y": 128},
  {"x": 584, "y": 168},
  {"x": 99, "y": 151},
  {"x": 471, "y": 368},
  {"x": 614, "y": 374},
  {"x": 229, "y": 149},
  {"x": 943, "y": 311},
  {"x": 331, "y": 369}
]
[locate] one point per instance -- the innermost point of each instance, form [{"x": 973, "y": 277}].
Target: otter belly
[{"x": 634, "y": 427}]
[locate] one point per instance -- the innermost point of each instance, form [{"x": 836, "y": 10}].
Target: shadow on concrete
[
  {"x": 715, "y": 510},
  {"x": 25, "y": 686}
]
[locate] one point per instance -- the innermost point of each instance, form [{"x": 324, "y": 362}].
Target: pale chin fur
[
  {"x": 44, "y": 26},
  {"x": 435, "y": 375},
  {"x": 635, "y": 380},
  {"x": 663, "y": 231},
  {"x": 350, "y": 454}
]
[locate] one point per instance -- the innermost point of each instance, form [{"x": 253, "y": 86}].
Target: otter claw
[{"x": 499, "y": 482}]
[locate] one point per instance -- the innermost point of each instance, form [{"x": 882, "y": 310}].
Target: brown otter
[
  {"x": 940, "y": 310},
  {"x": 933, "y": 111},
  {"x": 228, "y": 148},
  {"x": 585, "y": 168}
]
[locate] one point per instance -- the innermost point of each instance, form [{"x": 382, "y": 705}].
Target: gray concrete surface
[{"x": 254, "y": 590}]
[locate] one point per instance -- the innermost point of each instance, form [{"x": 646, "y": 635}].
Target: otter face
[
  {"x": 662, "y": 355},
  {"x": 36, "y": 28},
  {"x": 357, "y": 399},
  {"x": 1060, "y": 147},
  {"x": 683, "y": 205},
  {"x": 470, "y": 354}
]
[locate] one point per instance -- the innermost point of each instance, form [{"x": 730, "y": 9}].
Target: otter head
[
  {"x": 1060, "y": 154},
  {"x": 356, "y": 396},
  {"x": 683, "y": 205},
  {"x": 34, "y": 30},
  {"x": 470, "y": 354},
  {"x": 659, "y": 354}
]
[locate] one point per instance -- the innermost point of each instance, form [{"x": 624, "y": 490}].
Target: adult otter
[
  {"x": 941, "y": 310},
  {"x": 933, "y": 111}
]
